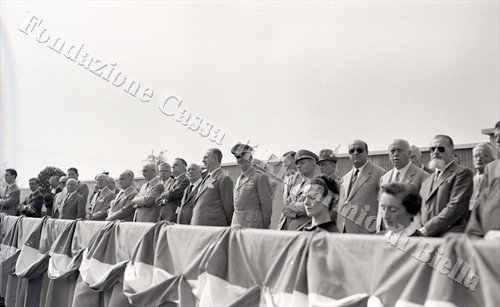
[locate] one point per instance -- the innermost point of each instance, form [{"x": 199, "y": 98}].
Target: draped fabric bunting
[{"x": 46, "y": 262}]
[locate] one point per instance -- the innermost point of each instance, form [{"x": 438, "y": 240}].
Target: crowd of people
[{"x": 412, "y": 198}]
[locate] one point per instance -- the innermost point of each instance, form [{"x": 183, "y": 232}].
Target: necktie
[
  {"x": 92, "y": 205},
  {"x": 353, "y": 181},
  {"x": 436, "y": 178},
  {"x": 397, "y": 179}
]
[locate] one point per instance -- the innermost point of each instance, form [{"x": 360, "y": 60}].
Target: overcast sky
[{"x": 284, "y": 75}]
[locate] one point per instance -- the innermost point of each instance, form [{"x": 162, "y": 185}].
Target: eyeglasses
[
  {"x": 358, "y": 150},
  {"x": 439, "y": 148}
]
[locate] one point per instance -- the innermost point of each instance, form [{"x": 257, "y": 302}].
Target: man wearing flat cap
[
  {"x": 294, "y": 208},
  {"x": 327, "y": 163},
  {"x": 253, "y": 202},
  {"x": 358, "y": 199}
]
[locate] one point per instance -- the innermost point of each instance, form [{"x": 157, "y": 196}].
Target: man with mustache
[{"x": 445, "y": 193}]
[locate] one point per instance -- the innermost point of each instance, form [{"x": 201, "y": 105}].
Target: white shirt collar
[
  {"x": 402, "y": 171},
  {"x": 212, "y": 172},
  {"x": 361, "y": 167}
]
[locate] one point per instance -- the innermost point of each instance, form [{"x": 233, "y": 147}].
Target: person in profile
[
  {"x": 318, "y": 206},
  {"x": 399, "y": 203}
]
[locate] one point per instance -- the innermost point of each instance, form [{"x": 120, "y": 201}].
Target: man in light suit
[
  {"x": 59, "y": 197},
  {"x": 253, "y": 201},
  {"x": 32, "y": 205},
  {"x": 485, "y": 218},
  {"x": 82, "y": 188},
  {"x": 358, "y": 202},
  {"x": 482, "y": 155},
  {"x": 72, "y": 206},
  {"x": 186, "y": 209},
  {"x": 403, "y": 171},
  {"x": 12, "y": 195},
  {"x": 101, "y": 200},
  {"x": 121, "y": 207},
  {"x": 213, "y": 205},
  {"x": 446, "y": 193},
  {"x": 170, "y": 200},
  {"x": 145, "y": 201},
  {"x": 416, "y": 159}
]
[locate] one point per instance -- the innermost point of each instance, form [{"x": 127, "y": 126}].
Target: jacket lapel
[
  {"x": 363, "y": 176},
  {"x": 409, "y": 174},
  {"x": 447, "y": 173},
  {"x": 209, "y": 182}
]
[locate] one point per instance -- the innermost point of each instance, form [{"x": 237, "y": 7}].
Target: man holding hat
[
  {"x": 253, "y": 202},
  {"x": 294, "y": 209}
]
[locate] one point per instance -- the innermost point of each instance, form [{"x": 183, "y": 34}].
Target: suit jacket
[
  {"x": 83, "y": 190},
  {"x": 73, "y": 207},
  {"x": 10, "y": 202},
  {"x": 32, "y": 205},
  {"x": 294, "y": 209},
  {"x": 57, "y": 204},
  {"x": 147, "y": 210},
  {"x": 357, "y": 212},
  {"x": 99, "y": 205},
  {"x": 121, "y": 207},
  {"x": 172, "y": 198},
  {"x": 187, "y": 203},
  {"x": 253, "y": 201},
  {"x": 414, "y": 176},
  {"x": 486, "y": 214},
  {"x": 445, "y": 202},
  {"x": 214, "y": 201}
]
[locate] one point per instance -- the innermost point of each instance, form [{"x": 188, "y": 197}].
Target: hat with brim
[
  {"x": 242, "y": 150},
  {"x": 306, "y": 154},
  {"x": 327, "y": 155}
]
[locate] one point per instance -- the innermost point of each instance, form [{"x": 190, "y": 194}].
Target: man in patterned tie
[
  {"x": 253, "y": 202},
  {"x": 403, "y": 171},
  {"x": 358, "y": 203},
  {"x": 446, "y": 193}
]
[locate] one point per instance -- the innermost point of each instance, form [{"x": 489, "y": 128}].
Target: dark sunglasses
[
  {"x": 358, "y": 150},
  {"x": 439, "y": 148}
]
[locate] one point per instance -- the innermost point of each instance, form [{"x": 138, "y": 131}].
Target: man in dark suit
[
  {"x": 214, "y": 203},
  {"x": 82, "y": 188},
  {"x": 416, "y": 159},
  {"x": 404, "y": 171},
  {"x": 446, "y": 193},
  {"x": 253, "y": 201},
  {"x": 121, "y": 207},
  {"x": 32, "y": 205},
  {"x": 145, "y": 201},
  {"x": 186, "y": 209},
  {"x": 72, "y": 205},
  {"x": 170, "y": 200},
  {"x": 10, "y": 200},
  {"x": 101, "y": 200},
  {"x": 358, "y": 199}
]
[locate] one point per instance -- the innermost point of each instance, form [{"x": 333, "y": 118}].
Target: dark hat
[
  {"x": 305, "y": 154},
  {"x": 327, "y": 155},
  {"x": 242, "y": 150}
]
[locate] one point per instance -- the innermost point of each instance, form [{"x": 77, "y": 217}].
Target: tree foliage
[
  {"x": 157, "y": 159},
  {"x": 45, "y": 175}
]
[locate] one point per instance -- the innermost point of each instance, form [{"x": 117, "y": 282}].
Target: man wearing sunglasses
[
  {"x": 445, "y": 193},
  {"x": 358, "y": 203}
]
